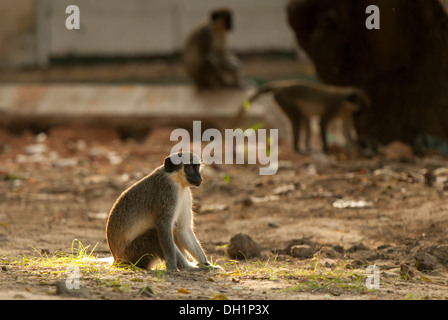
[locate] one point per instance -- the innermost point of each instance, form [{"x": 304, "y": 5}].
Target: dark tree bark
[{"x": 403, "y": 66}]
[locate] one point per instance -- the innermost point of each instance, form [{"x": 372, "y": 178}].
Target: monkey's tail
[{"x": 260, "y": 91}]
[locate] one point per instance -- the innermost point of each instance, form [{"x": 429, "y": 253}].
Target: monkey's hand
[
  {"x": 208, "y": 266},
  {"x": 230, "y": 61}
]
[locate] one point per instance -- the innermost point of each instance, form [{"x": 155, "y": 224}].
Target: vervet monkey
[
  {"x": 153, "y": 218},
  {"x": 205, "y": 56},
  {"x": 302, "y": 100}
]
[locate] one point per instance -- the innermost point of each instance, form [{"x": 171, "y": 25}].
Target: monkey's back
[
  {"x": 196, "y": 48},
  {"x": 137, "y": 208}
]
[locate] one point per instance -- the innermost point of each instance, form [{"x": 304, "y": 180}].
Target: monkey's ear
[
  {"x": 222, "y": 14},
  {"x": 170, "y": 166}
]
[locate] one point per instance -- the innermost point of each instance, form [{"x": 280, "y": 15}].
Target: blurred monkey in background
[
  {"x": 153, "y": 218},
  {"x": 205, "y": 56},
  {"x": 301, "y": 100}
]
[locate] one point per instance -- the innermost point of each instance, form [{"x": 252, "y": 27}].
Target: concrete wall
[
  {"x": 17, "y": 25},
  {"x": 143, "y": 27},
  {"x": 33, "y": 30}
]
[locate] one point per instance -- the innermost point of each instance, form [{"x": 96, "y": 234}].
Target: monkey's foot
[
  {"x": 208, "y": 267},
  {"x": 203, "y": 267}
]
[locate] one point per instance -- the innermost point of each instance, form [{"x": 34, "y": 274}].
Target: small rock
[
  {"x": 389, "y": 274},
  {"x": 397, "y": 150},
  {"x": 328, "y": 252},
  {"x": 441, "y": 253},
  {"x": 385, "y": 174},
  {"x": 406, "y": 271},
  {"x": 37, "y": 148},
  {"x": 302, "y": 251},
  {"x": 430, "y": 178},
  {"x": 284, "y": 189},
  {"x": 65, "y": 162},
  {"x": 207, "y": 208},
  {"x": 266, "y": 198},
  {"x": 350, "y": 203},
  {"x": 242, "y": 246},
  {"x": 425, "y": 261},
  {"x": 356, "y": 264},
  {"x": 358, "y": 247},
  {"x": 383, "y": 246},
  {"x": 247, "y": 202},
  {"x": 299, "y": 242},
  {"x": 338, "y": 248}
]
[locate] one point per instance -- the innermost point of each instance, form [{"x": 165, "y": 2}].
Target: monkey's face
[
  {"x": 184, "y": 168},
  {"x": 222, "y": 17},
  {"x": 193, "y": 174}
]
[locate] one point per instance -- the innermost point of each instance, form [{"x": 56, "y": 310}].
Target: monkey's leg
[
  {"x": 166, "y": 241},
  {"x": 144, "y": 250},
  {"x": 204, "y": 79},
  {"x": 212, "y": 72},
  {"x": 232, "y": 79},
  {"x": 323, "y": 135},
  {"x": 324, "y": 121},
  {"x": 307, "y": 123},
  {"x": 182, "y": 263},
  {"x": 295, "y": 123},
  {"x": 290, "y": 109},
  {"x": 350, "y": 136},
  {"x": 188, "y": 241},
  {"x": 230, "y": 70}
]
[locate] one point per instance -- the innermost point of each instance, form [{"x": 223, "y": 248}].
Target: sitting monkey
[
  {"x": 153, "y": 218},
  {"x": 207, "y": 61}
]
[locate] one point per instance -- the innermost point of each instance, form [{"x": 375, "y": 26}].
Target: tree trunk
[{"x": 403, "y": 66}]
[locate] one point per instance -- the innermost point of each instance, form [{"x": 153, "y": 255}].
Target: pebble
[
  {"x": 425, "y": 261},
  {"x": 302, "y": 251},
  {"x": 242, "y": 246}
]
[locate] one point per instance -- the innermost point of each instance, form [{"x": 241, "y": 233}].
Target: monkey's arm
[
  {"x": 227, "y": 60},
  {"x": 216, "y": 66},
  {"x": 186, "y": 239}
]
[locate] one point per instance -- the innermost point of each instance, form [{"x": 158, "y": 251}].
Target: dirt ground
[
  {"x": 59, "y": 187},
  {"x": 389, "y": 211}
]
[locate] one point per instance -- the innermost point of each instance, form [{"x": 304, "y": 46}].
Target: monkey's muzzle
[{"x": 196, "y": 181}]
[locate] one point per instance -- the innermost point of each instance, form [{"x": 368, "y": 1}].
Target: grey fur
[
  {"x": 298, "y": 99},
  {"x": 148, "y": 223},
  {"x": 207, "y": 61}
]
